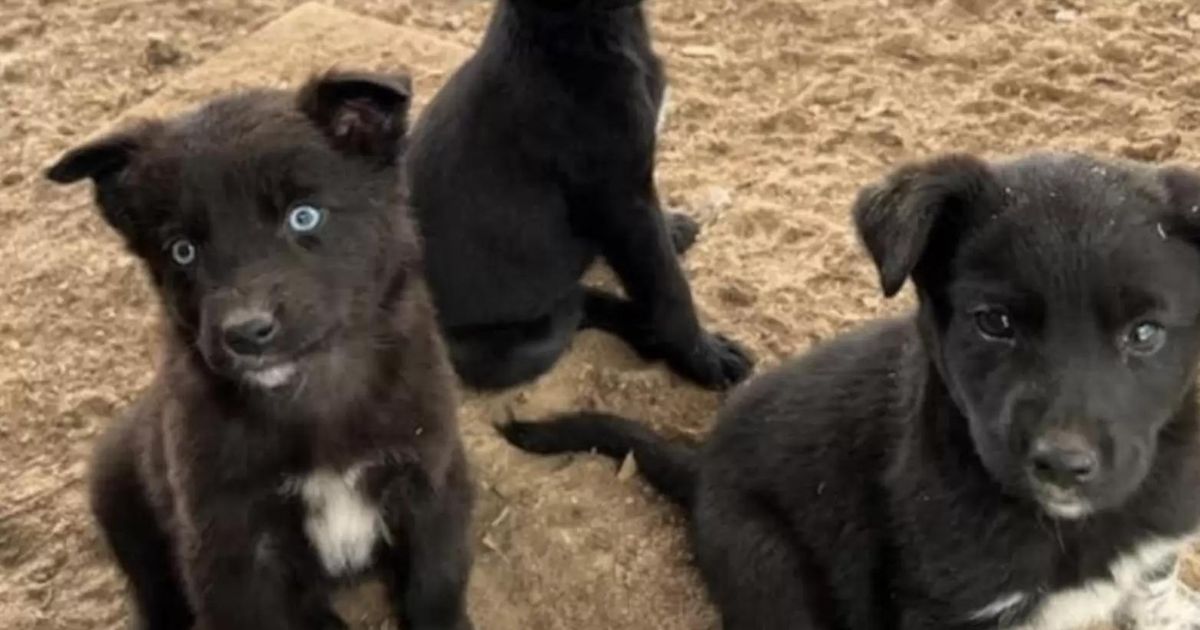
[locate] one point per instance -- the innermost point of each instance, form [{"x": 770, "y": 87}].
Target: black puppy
[
  {"x": 1023, "y": 452},
  {"x": 301, "y": 430},
  {"x": 536, "y": 157}
]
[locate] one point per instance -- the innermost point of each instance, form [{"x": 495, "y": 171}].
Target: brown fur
[{"x": 196, "y": 489}]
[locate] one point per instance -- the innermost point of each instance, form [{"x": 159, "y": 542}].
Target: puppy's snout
[
  {"x": 249, "y": 333},
  {"x": 1063, "y": 460}
]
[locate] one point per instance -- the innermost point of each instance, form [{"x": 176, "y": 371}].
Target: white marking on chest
[
  {"x": 1095, "y": 601},
  {"x": 341, "y": 523}
]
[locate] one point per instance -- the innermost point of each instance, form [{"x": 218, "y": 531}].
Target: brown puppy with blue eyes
[
  {"x": 301, "y": 430},
  {"x": 1021, "y": 453}
]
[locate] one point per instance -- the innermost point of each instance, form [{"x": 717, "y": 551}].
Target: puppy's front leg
[
  {"x": 428, "y": 563},
  {"x": 755, "y": 573},
  {"x": 134, "y": 532},
  {"x": 237, "y": 575},
  {"x": 661, "y": 321}
]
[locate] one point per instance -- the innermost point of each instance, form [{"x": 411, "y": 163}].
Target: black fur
[
  {"x": 535, "y": 158},
  {"x": 288, "y": 351},
  {"x": 908, "y": 475},
  {"x": 670, "y": 468}
]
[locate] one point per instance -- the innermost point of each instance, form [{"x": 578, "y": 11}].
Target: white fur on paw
[{"x": 1095, "y": 601}]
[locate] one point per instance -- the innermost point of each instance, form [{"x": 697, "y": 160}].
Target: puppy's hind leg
[
  {"x": 620, "y": 317},
  {"x": 499, "y": 356},
  {"x": 142, "y": 549},
  {"x": 758, "y": 578},
  {"x": 633, "y": 237},
  {"x": 617, "y": 316}
]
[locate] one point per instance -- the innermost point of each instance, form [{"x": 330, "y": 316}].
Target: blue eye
[
  {"x": 1146, "y": 338},
  {"x": 183, "y": 252},
  {"x": 305, "y": 218}
]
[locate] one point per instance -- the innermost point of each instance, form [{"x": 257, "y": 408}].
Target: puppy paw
[
  {"x": 683, "y": 230},
  {"x": 719, "y": 363}
]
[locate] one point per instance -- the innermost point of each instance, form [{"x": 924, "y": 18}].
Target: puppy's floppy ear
[
  {"x": 1182, "y": 186},
  {"x": 902, "y": 220},
  {"x": 99, "y": 159},
  {"x": 361, "y": 113},
  {"x": 1183, "y": 189},
  {"x": 105, "y": 160}
]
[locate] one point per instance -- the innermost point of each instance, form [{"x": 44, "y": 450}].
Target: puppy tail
[{"x": 669, "y": 467}]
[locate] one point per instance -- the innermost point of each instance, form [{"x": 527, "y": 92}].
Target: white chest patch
[
  {"x": 1097, "y": 601},
  {"x": 341, "y": 523}
]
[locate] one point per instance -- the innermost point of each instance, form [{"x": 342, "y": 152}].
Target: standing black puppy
[
  {"x": 302, "y": 429},
  {"x": 536, "y": 157},
  {"x": 1023, "y": 453}
]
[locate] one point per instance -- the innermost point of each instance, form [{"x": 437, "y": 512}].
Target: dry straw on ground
[{"x": 781, "y": 109}]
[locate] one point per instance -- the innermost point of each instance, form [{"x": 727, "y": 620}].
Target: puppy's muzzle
[
  {"x": 250, "y": 333},
  {"x": 1063, "y": 460}
]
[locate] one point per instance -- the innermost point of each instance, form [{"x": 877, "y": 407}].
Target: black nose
[
  {"x": 1063, "y": 462},
  {"x": 249, "y": 335}
]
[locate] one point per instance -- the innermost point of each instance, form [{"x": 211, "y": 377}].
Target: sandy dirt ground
[{"x": 781, "y": 110}]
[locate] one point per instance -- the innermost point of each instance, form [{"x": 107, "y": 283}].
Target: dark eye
[
  {"x": 305, "y": 218},
  {"x": 183, "y": 252},
  {"x": 994, "y": 323},
  {"x": 1146, "y": 338}
]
